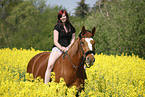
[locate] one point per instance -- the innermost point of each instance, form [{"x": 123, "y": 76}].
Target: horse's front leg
[
  {"x": 79, "y": 83},
  {"x": 79, "y": 89}
]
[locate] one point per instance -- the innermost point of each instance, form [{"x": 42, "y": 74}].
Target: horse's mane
[
  {"x": 75, "y": 45},
  {"x": 74, "y": 48}
]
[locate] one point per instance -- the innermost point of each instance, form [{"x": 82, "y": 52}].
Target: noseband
[{"x": 89, "y": 52}]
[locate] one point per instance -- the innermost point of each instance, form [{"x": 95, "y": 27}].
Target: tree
[
  {"x": 82, "y": 10},
  {"x": 99, "y": 6},
  {"x": 39, "y": 4},
  {"x": 124, "y": 31},
  {"x": 6, "y": 7},
  {"x": 29, "y": 26}
]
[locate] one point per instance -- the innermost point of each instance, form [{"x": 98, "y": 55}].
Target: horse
[{"x": 70, "y": 65}]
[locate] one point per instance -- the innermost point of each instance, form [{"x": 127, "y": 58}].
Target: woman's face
[{"x": 63, "y": 18}]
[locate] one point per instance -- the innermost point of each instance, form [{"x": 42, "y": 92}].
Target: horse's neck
[{"x": 75, "y": 49}]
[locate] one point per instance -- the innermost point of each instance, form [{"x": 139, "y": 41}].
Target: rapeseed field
[{"x": 110, "y": 76}]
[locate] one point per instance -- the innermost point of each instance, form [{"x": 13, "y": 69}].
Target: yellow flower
[{"x": 110, "y": 76}]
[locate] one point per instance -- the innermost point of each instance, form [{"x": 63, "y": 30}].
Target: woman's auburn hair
[
  {"x": 59, "y": 22},
  {"x": 59, "y": 15}
]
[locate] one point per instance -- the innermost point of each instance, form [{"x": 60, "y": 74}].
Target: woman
[{"x": 64, "y": 37}]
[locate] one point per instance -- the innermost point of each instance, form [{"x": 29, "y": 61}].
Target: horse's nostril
[{"x": 88, "y": 58}]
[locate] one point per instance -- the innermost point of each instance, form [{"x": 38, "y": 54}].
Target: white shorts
[{"x": 55, "y": 49}]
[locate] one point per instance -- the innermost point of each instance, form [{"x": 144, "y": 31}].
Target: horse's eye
[{"x": 82, "y": 42}]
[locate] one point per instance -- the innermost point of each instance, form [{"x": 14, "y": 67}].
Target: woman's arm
[
  {"x": 55, "y": 37},
  {"x": 72, "y": 40}
]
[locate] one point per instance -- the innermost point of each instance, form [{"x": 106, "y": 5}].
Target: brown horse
[{"x": 69, "y": 65}]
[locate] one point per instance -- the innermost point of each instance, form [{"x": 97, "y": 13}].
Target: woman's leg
[{"x": 52, "y": 58}]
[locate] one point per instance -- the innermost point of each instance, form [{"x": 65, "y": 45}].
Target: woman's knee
[{"x": 50, "y": 66}]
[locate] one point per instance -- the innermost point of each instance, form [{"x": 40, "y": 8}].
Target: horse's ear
[
  {"x": 93, "y": 31},
  {"x": 83, "y": 30}
]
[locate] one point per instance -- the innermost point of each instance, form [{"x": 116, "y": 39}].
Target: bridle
[{"x": 84, "y": 55}]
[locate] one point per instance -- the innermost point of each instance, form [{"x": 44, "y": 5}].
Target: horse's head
[{"x": 87, "y": 44}]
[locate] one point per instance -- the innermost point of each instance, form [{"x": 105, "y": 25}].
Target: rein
[{"x": 65, "y": 53}]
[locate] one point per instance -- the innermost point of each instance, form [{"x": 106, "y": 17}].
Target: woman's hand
[{"x": 64, "y": 49}]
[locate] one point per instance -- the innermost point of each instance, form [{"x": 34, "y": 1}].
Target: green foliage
[
  {"x": 120, "y": 25},
  {"x": 6, "y": 7},
  {"x": 28, "y": 26},
  {"x": 39, "y": 4},
  {"x": 82, "y": 9},
  {"x": 122, "y": 30}
]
